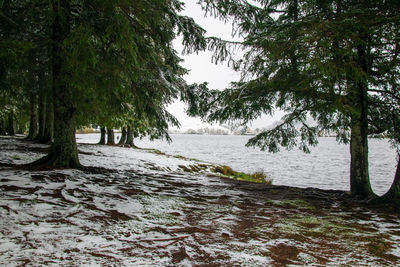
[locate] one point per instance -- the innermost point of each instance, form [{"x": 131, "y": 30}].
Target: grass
[
  {"x": 341, "y": 232},
  {"x": 226, "y": 171},
  {"x": 223, "y": 170},
  {"x": 158, "y": 152},
  {"x": 256, "y": 177}
]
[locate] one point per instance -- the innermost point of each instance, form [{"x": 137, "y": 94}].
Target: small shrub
[
  {"x": 257, "y": 177},
  {"x": 225, "y": 170},
  {"x": 260, "y": 177}
]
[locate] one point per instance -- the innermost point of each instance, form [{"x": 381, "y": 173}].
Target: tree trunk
[
  {"x": 48, "y": 133},
  {"x": 2, "y": 127},
  {"x": 129, "y": 136},
  {"x": 11, "y": 123},
  {"x": 102, "y": 136},
  {"x": 359, "y": 174},
  {"x": 393, "y": 195},
  {"x": 33, "y": 123},
  {"x": 110, "y": 137},
  {"x": 123, "y": 136},
  {"x": 64, "y": 151},
  {"x": 42, "y": 107}
]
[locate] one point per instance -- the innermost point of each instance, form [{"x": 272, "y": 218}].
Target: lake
[{"x": 326, "y": 167}]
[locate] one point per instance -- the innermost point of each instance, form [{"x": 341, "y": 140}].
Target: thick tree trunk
[
  {"x": 359, "y": 169},
  {"x": 110, "y": 136},
  {"x": 129, "y": 136},
  {"x": 64, "y": 148},
  {"x": 123, "y": 136},
  {"x": 48, "y": 133},
  {"x": 64, "y": 152},
  {"x": 359, "y": 173},
  {"x": 102, "y": 136},
  {"x": 11, "y": 123},
  {"x": 33, "y": 123}
]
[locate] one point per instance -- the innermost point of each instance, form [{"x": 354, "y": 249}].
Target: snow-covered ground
[{"x": 146, "y": 211}]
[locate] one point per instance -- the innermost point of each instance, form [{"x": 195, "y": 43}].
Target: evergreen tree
[
  {"x": 327, "y": 60},
  {"x": 110, "y": 61},
  {"x": 102, "y": 135},
  {"x": 110, "y": 136}
]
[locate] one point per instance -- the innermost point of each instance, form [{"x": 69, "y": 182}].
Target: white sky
[{"x": 203, "y": 70}]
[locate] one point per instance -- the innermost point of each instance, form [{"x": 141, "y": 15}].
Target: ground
[{"x": 141, "y": 209}]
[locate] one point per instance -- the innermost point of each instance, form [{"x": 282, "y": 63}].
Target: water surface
[{"x": 326, "y": 167}]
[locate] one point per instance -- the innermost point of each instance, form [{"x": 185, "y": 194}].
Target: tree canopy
[
  {"x": 336, "y": 62},
  {"x": 107, "y": 62}
]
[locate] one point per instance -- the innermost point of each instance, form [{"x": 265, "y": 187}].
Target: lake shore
[
  {"x": 326, "y": 167},
  {"x": 142, "y": 209}
]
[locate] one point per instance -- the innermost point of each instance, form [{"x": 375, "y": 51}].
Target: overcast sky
[{"x": 203, "y": 70}]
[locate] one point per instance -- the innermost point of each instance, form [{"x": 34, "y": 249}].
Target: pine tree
[
  {"x": 111, "y": 62},
  {"x": 321, "y": 59}
]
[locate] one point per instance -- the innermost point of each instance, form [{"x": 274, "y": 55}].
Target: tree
[
  {"x": 110, "y": 61},
  {"x": 122, "y": 140},
  {"x": 321, "y": 59},
  {"x": 102, "y": 135},
  {"x": 110, "y": 136}
]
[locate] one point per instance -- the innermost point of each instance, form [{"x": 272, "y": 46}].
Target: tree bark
[
  {"x": 42, "y": 107},
  {"x": 359, "y": 173},
  {"x": 102, "y": 136},
  {"x": 123, "y": 136},
  {"x": 48, "y": 133},
  {"x": 64, "y": 151},
  {"x": 129, "y": 136},
  {"x": 33, "y": 122},
  {"x": 11, "y": 123},
  {"x": 110, "y": 136},
  {"x": 359, "y": 168},
  {"x": 2, "y": 127},
  {"x": 393, "y": 195}
]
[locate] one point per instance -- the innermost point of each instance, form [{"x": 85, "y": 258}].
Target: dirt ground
[{"x": 137, "y": 212}]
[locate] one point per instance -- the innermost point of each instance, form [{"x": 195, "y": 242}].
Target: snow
[{"x": 148, "y": 212}]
